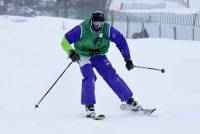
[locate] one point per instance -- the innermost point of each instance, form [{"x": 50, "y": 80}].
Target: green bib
[{"x": 92, "y": 43}]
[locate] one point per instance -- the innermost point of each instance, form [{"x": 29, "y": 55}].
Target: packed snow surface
[{"x": 32, "y": 59}]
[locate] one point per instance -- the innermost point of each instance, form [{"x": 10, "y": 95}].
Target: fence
[
  {"x": 158, "y": 25},
  {"x": 156, "y": 17}
]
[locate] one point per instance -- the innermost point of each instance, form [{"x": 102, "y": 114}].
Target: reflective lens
[{"x": 98, "y": 23}]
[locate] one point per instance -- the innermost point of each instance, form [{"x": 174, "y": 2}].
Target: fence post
[
  {"x": 112, "y": 17},
  {"x": 149, "y": 18},
  {"x": 194, "y": 24},
  {"x": 159, "y": 30},
  {"x": 63, "y": 26},
  {"x": 188, "y": 3},
  {"x": 175, "y": 33},
  {"x": 193, "y": 32},
  {"x": 121, "y": 6},
  {"x": 194, "y": 19},
  {"x": 127, "y": 28}
]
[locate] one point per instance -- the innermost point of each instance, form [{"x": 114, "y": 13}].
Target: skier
[{"x": 91, "y": 42}]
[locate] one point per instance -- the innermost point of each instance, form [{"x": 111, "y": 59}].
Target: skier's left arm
[{"x": 121, "y": 43}]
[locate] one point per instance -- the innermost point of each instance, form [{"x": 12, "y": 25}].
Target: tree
[
  {"x": 62, "y": 6},
  {"x": 6, "y": 2},
  {"x": 87, "y": 6},
  {"x": 80, "y": 8}
]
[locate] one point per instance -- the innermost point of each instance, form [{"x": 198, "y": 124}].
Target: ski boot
[
  {"x": 133, "y": 105},
  {"x": 90, "y": 111}
]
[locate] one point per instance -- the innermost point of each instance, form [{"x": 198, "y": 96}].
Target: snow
[{"x": 32, "y": 58}]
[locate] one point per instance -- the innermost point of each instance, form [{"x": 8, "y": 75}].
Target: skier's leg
[
  {"x": 89, "y": 77},
  {"x": 105, "y": 69}
]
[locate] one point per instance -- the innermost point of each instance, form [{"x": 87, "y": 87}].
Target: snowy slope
[{"x": 31, "y": 59}]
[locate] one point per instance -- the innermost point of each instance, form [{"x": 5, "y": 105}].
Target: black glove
[
  {"x": 129, "y": 64},
  {"x": 74, "y": 56}
]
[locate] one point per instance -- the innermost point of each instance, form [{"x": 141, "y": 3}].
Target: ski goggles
[{"x": 98, "y": 23}]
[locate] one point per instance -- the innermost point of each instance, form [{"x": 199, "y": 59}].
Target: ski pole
[
  {"x": 162, "y": 70},
  {"x": 37, "y": 105}
]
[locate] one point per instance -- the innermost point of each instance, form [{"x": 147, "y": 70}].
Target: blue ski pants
[{"x": 108, "y": 73}]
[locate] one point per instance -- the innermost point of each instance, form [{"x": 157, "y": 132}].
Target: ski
[
  {"x": 97, "y": 117},
  {"x": 143, "y": 111}
]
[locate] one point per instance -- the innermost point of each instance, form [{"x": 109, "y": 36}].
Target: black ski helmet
[
  {"x": 97, "y": 20},
  {"x": 97, "y": 16}
]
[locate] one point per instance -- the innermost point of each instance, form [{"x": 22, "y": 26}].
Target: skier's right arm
[{"x": 71, "y": 37}]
